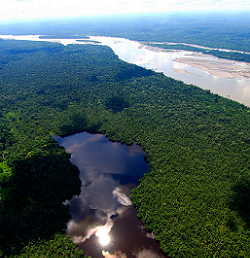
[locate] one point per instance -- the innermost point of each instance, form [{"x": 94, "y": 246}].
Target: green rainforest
[{"x": 196, "y": 196}]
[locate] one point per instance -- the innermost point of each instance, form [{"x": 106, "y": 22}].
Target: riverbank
[
  {"x": 197, "y": 145},
  {"x": 226, "y": 69},
  {"x": 224, "y": 80}
]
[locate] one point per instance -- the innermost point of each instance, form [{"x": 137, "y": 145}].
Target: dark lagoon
[{"x": 104, "y": 222}]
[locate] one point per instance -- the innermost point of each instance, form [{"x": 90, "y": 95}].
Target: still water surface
[{"x": 104, "y": 221}]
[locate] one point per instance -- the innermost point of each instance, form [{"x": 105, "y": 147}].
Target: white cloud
[{"x": 30, "y": 9}]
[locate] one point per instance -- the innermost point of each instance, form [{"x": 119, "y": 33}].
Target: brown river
[
  {"x": 228, "y": 78},
  {"x": 104, "y": 222}
]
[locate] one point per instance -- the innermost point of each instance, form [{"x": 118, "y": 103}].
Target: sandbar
[
  {"x": 157, "y": 49},
  {"x": 177, "y": 70},
  {"x": 117, "y": 42},
  {"x": 226, "y": 69}
]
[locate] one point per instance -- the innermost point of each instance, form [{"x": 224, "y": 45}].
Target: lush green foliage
[
  {"x": 33, "y": 193},
  {"x": 36, "y": 175},
  {"x": 195, "y": 196},
  {"x": 58, "y": 246}
]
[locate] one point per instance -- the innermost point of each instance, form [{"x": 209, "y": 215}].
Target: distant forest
[
  {"x": 196, "y": 196},
  {"x": 230, "y": 30}
]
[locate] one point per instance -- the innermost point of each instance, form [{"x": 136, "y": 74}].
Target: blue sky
[{"x": 11, "y": 10}]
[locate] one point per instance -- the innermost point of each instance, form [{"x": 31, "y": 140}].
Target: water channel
[
  {"x": 104, "y": 221},
  {"x": 210, "y": 73},
  {"x": 228, "y": 78}
]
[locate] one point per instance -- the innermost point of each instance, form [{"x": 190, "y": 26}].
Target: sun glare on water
[
  {"x": 102, "y": 233},
  {"x": 104, "y": 239}
]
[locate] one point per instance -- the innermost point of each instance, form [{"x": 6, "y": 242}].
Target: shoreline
[{"x": 198, "y": 46}]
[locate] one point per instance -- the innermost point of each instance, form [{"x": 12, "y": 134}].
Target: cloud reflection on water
[{"x": 109, "y": 171}]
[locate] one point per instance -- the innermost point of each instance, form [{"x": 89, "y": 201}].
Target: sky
[{"x": 13, "y": 10}]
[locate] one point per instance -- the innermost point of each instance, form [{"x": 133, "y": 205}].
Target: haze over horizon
[{"x": 25, "y": 10}]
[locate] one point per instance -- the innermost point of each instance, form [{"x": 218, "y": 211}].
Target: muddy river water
[
  {"x": 228, "y": 78},
  {"x": 104, "y": 221}
]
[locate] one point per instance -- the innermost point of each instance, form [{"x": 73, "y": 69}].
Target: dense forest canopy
[{"x": 195, "y": 198}]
